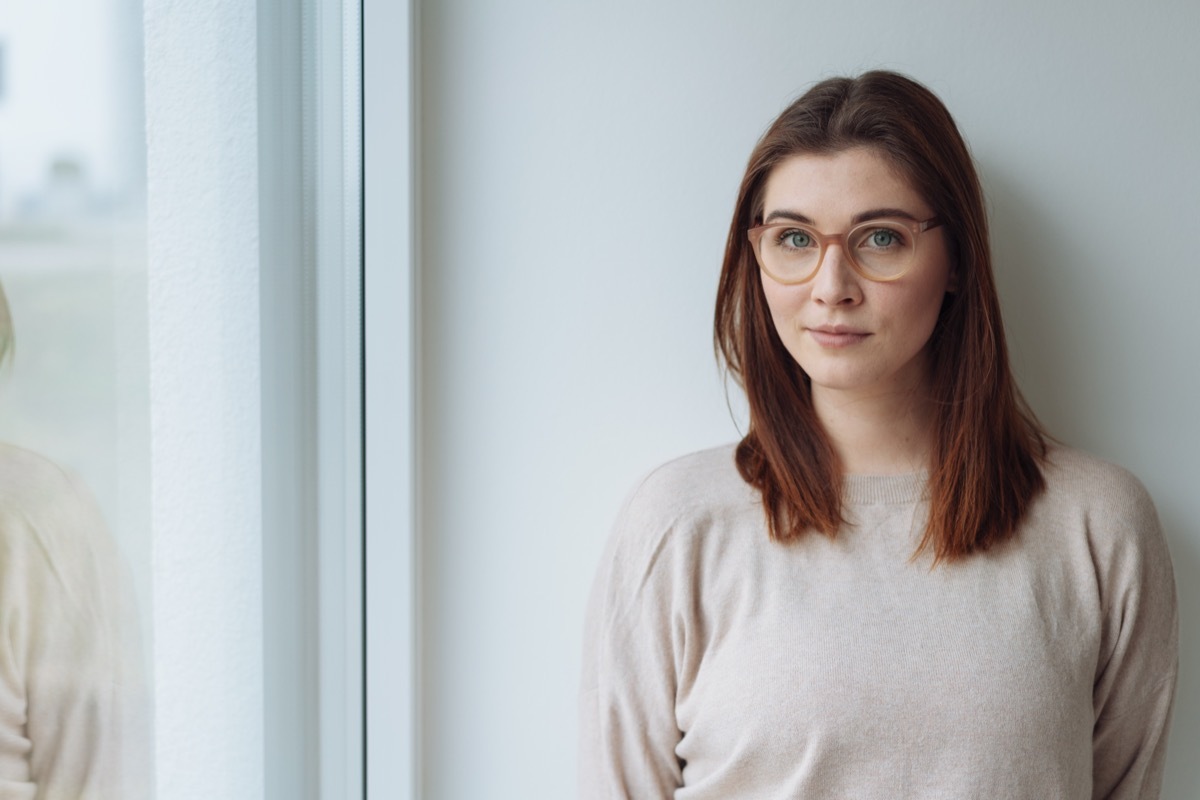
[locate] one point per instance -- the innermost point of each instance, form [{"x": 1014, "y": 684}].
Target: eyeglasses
[{"x": 879, "y": 250}]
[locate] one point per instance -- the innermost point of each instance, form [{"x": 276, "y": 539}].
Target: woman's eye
[
  {"x": 883, "y": 237},
  {"x": 796, "y": 240}
]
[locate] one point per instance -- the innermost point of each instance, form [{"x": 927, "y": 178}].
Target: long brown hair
[{"x": 985, "y": 465}]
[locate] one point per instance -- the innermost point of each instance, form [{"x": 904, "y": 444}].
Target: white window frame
[
  {"x": 337, "y": 271},
  {"x": 389, "y": 79},
  {"x": 333, "y": 683}
]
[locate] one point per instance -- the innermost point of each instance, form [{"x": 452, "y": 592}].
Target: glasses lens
[
  {"x": 790, "y": 252},
  {"x": 883, "y": 249}
]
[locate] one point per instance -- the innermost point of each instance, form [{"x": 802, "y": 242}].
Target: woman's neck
[{"x": 886, "y": 433}]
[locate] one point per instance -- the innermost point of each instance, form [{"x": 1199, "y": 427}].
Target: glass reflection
[{"x": 74, "y": 485}]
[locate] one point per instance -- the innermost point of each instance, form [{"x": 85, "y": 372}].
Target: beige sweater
[
  {"x": 718, "y": 664},
  {"x": 73, "y": 717}
]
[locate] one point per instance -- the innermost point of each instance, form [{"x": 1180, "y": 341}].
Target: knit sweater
[
  {"x": 73, "y": 718},
  {"x": 720, "y": 664}
]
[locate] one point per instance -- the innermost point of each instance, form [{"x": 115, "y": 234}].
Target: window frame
[
  {"x": 338, "y": 398},
  {"x": 390, "y": 278}
]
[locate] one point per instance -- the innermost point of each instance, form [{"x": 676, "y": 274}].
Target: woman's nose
[{"x": 836, "y": 283}]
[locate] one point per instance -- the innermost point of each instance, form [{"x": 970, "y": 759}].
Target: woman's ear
[{"x": 952, "y": 280}]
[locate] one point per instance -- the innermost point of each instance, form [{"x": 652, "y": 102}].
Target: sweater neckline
[{"x": 884, "y": 489}]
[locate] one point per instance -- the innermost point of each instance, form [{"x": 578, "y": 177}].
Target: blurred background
[{"x": 72, "y": 252}]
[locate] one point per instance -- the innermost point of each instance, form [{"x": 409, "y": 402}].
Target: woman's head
[{"x": 905, "y": 125}]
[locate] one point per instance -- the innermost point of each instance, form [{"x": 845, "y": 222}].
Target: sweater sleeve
[
  {"x": 1136, "y": 676},
  {"x": 628, "y": 728},
  {"x": 71, "y": 713}
]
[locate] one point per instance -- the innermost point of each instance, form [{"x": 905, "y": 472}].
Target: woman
[
  {"x": 73, "y": 712},
  {"x": 893, "y": 586}
]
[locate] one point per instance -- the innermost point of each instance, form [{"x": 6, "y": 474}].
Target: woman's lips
[{"x": 837, "y": 336}]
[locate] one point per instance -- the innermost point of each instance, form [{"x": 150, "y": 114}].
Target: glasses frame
[{"x": 824, "y": 240}]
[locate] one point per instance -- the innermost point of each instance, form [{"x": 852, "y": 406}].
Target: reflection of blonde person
[
  {"x": 71, "y": 718},
  {"x": 893, "y": 586}
]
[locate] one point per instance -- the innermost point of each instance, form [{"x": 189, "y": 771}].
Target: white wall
[
  {"x": 252, "y": 120},
  {"x": 202, "y": 148},
  {"x": 579, "y": 169}
]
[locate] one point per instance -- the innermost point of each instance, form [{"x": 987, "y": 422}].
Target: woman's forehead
[{"x": 836, "y": 188}]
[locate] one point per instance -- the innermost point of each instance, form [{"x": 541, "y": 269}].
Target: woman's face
[{"x": 851, "y": 335}]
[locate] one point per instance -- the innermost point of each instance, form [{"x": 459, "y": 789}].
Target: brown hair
[{"x": 987, "y": 447}]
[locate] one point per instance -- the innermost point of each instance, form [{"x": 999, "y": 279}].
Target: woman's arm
[
  {"x": 1135, "y": 682},
  {"x": 72, "y": 720},
  {"x": 628, "y": 730}
]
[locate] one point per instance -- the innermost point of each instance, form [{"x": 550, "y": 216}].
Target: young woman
[
  {"x": 894, "y": 586},
  {"x": 74, "y": 717}
]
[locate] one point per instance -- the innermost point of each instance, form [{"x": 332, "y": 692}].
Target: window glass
[{"x": 74, "y": 384}]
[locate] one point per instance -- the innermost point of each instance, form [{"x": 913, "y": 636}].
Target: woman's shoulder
[
  {"x": 698, "y": 482},
  {"x": 1082, "y": 480},
  {"x": 683, "y": 496},
  {"x": 1107, "y": 505},
  {"x": 670, "y": 514},
  {"x": 29, "y": 481},
  {"x": 45, "y": 509}
]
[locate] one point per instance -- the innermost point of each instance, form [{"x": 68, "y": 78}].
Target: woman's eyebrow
[
  {"x": 862, "y": 216},
  {"x": 793, "y": 216},
  {"x": 880, "y": 213}
]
